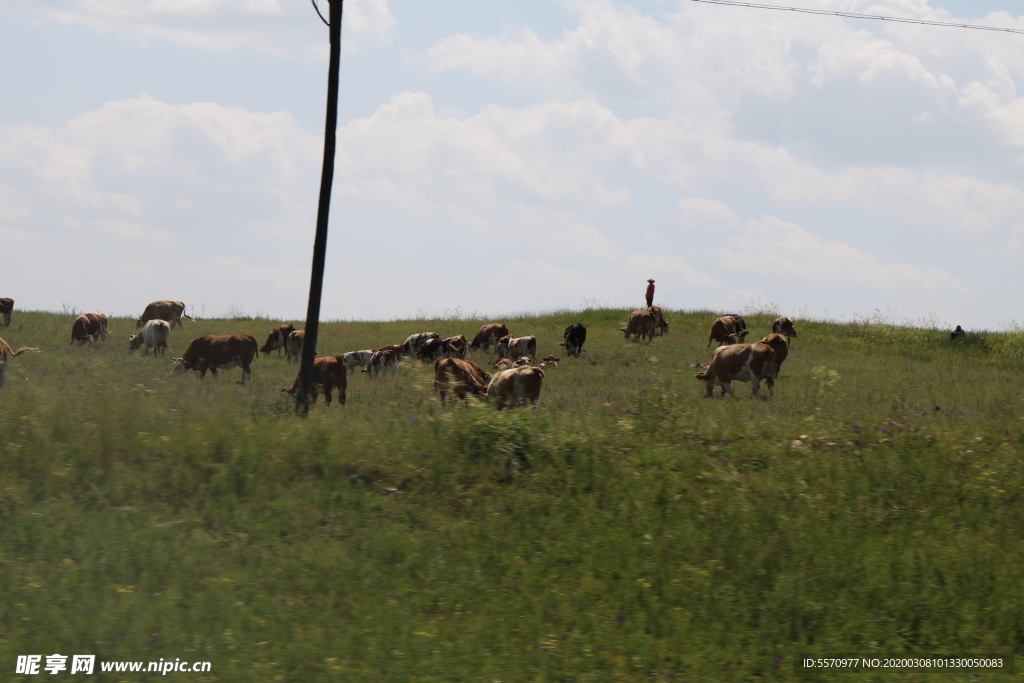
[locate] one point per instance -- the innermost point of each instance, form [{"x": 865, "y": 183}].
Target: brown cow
[
  {"x": 87, "y": 327},
  {"x": 457, "y": 346},
  {"x": 6, "y": 308},
  {"x": 512, "y": 347},
  {"x": 5, "y": 353},
  {"x": 277, "y": 340},
  {"x": 293, "y": 345},
  {"x": 642, "y": 323},
  {"x": 784, "y": 326},
  {"x": 171, "y": 311},
  {"x": 780, "y": 345},
  {"x": 726, "y": 330},
  {"x": 739, "y": 362},
  {"x": 516, "y": 386},
  {"x": 488, "y": 335},
  {"x": 215, "y": 352},
  {"x": 659, "y": 316},
  {"x": 396, "y": 349},
  {"x": 461, "y": 376},
  {"x": 328, "y": 373}
]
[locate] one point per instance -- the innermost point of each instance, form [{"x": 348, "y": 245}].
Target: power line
[{"x": 852, "y": 15}]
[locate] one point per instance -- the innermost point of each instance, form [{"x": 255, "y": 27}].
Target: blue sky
[{"x": 498, "y": 158}]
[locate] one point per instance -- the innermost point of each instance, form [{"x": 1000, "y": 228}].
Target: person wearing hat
[{"x": 650, "y": 293}]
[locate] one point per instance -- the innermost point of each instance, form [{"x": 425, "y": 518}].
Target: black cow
[{"x": 573, "y": 339}]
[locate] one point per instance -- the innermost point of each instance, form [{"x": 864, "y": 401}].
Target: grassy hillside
[{"x": 628, "y": 529}]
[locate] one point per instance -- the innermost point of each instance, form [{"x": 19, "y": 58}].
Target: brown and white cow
[
  {"x": 381, "y": 362},
  {"x": 171, "y": 311},
  {"x": 6, "y": 308},
  {"x": 277, "y": 340},
  {"x": 514, "y": 347},
  {"x": 739, "y": 363},
  {"x": 457, "y": 346},
  {"x": 642, "y": 323},
  {"x": 726, "y": 330},
  {"x": 464, "y": 377},
  {"x": 357, "y": 359},
  {"x": 489, "y": 334},
  {"x": 328, "y": 373},
  {"x": 156, "y": 335},
  {"x": 293, "y": 346},
  {"x": 780, "y": 345},
  {"x": 659, "y": 317},
  {"x": 397, "y": 349},
  {"x": 784, "y": 326},
  {"x": 414, "y": 341},
  {"x": 7, "y": 352},
  {"x": 89, "y": 327},
  {"x": 215, "y": 352},
  {"x": 516, "y": 386}
]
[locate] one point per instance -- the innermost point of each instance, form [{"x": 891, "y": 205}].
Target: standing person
[{"x": 650, "y": 293}]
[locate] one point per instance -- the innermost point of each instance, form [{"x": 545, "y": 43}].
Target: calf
[
  {"x": 277, "y": 340},
  {"x": 381, "y": 362},
  {"x": 488, "y": 335},
  {"x": 461, "y": 376},
  {"x": 357, "y": 359},
  {"x": 156, "y": 335},
  {"x": 328, "y": 372},
  {"x": 6, "y": 308},
  {"x": 784, "y": 326},
  {"x": 7, "y": 352},
  {"x": 172, "y": 311},
  {"x": 87, "y": 327},
  {"x": 739, "y": 362},
  {"x": 780, "y": 345},
  {"x": 573, "y": 338},
  {"x": 215, "y": 352},
  {"x": 642, "y": 323},
  {"x": 516, "y": 386},
  {"x": 510, "y": 347},
  {"x": 726, "y": 330}
]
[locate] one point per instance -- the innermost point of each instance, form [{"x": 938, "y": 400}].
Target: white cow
[
  {"x": 357, "y": 359},
  {"x": 155, "y": 335}
]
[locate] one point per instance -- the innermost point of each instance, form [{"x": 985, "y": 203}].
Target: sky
[{"x": 496, "y": 158}]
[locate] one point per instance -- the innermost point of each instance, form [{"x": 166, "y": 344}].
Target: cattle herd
[{"x": 517, "y": 376}]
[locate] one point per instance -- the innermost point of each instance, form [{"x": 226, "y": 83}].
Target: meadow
[{"x": 628, "y": 529}]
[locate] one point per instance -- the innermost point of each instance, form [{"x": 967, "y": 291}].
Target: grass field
[{"x": 626, "y": 530}]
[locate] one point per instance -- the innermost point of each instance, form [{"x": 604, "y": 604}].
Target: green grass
[{"x": 628, "y": 529}]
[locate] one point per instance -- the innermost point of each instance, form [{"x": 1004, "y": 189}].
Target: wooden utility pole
[{"x": 316, "y": 280}]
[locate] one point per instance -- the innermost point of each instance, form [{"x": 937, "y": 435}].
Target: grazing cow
[
  {"x": 457, "y": 346},
  {"x": 87, "y": 327},
  {"x": 511, "y": 347},
  {"x": 461, "y": 376},
  {"x": 381, "y": 362},
  {"x": 397, "y": 349},
  {"x": 171, "y": 311},
  {"x": 277, "y": 340},
  {"x": 488, "y": 335},
  {"x": 957, "y": 333},
  {"x": 573, "y": 338},
  {"x": 156, "y": 335},
  {"x": 741, "y": 322},
  {"x": 215, "y": 352},
  {"x": 659, "y": 316},
  {"x": 780, "y": 345},
  {"x": 328, "y": 373},
  {"x": 432, "y": 348},
  {"x": 515, "y": 386},
  {"x": 5, "y": 353},
  {"x": 642, "y": 323},
  {"x": 6, "y": 308},
  {"x": 784, "y": 326},
  {"x": 293, "y": 346},
  {"x": 414, "y": 341},
  {"x": 739, "y": 362},
  {"x": 726, "y": 330},
  {"x": 357, "y": 359}
]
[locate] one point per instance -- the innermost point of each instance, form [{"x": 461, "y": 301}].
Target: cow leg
[
  {"x": 3, "y": 375},
  {"x": 755, "y": 386},
  {"x": 727, "y": 389},
  {"x": 328, "y": 388},
  {"x": 771, "y": 387}
]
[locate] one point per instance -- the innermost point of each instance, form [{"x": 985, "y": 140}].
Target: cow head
[
  {"x": 134, "y": 342},
  {"x": 179, "y": 365}
]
